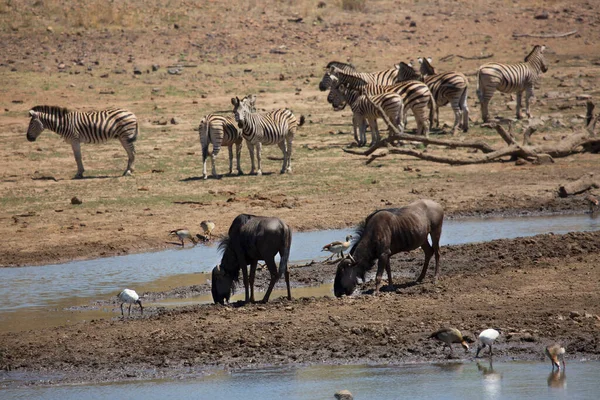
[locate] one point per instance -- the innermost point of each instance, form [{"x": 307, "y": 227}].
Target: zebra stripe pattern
[
  {"x": 365, "y": 110},
  {"x": 415, "y": 95},
  {"x": 447, "y": 88},
  {"x": 86, "y": 127},
  {"x": 220, "y": 130},
  {"x": 383, "y": 78},
  {"x": 274, "y": 127},
  {"x": 509, "y": 78}
]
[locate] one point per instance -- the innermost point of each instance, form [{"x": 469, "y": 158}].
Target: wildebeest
[
  {"x": 252, "y": 238},
  {"x": 385, "y": 233}
]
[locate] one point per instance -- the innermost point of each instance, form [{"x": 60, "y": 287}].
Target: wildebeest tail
[{"x": 285, "y": 254}]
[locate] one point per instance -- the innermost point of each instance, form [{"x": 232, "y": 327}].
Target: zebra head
[
  {"x": 426, "y": 68},
  {"x": 241, "y": 109},
  {"x": 337, "y": 98},
  {"x": 325, "y": 82},
  {"x": 537, "y": 58},
  {"x": 406, "y": 72},
  {"x": 35, "y": 126}
]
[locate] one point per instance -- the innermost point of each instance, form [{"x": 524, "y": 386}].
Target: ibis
[
  {"x": 556, "y": 353},
  {"x": 182, "y": 234},
  {"x": 449, "y": 336},
  {"x": 207, "y": 227},
  {"x": 487, "y": 338},
  {"x": 130, "y": 297},
  {"x": 337, "y": 247}
]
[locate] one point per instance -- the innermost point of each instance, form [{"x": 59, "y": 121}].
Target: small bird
[
  {"x": 183, "y": 234},
  {"x": 555, "y": 353},
  {"x": 487, "y": 338},
  {"x": 131, "y": 297},
  {"x": 593, "y": 202},
  {"x": 449, "y": 336},
  {"x": 207, "y": 227},
  {"x": 337, "y": 247}
]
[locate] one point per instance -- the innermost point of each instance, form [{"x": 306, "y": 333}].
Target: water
[
  {"x": 31, "y": 295},
  {"x": 508, "y": 380}
]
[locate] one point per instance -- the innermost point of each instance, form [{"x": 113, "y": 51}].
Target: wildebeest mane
[{"x": 235, "y": 272}]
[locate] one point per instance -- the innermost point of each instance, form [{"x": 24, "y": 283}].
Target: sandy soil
[{"x": 537, "y": 290}]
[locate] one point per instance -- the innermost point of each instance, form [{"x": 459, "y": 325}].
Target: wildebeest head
[
  {"x": 35, "y": 126},
  {"x": 222, "y": 286},
  {"x": 345, "y": 277}
]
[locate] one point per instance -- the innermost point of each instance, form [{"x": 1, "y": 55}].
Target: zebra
[
  {"x": 274, "y": 127},
  {"x": 77, "y": 127},
  {"x": 416, "y": 95},
  {"x": 221, "y": 130},
  {"x": 447, "y": 87},
  {"x": 363, "y": 110},
  {"x": 383, "y": 78},
  {"x": 509, "y": 78}
]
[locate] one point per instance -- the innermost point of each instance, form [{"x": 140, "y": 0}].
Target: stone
[
  {"x": 174, "y": 71},
  {"x": 137, "y": 71},
  {"x": 412, "y": 24},
  {"x": 343, "y": 395},
  {"x": 155, "y": 67},
  {"x": 50, "y": 29},
  {"x": 174, "y": 121},
  {"x": 75, "y": 200},
  {"x": 542, "y": 15}
]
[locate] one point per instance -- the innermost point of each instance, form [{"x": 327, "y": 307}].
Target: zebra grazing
[
  {"x": 416, "y": 96},
  {"x": 274, "y": 127},
  {"x": 364, "y": 110},
  {"x": 447, "y": 88},
  {"x": 383, "y": 78},
  {"x": 77, "y": 127},
  {"x": 509, "y": 78},
  {"x": 221, "y": 130}
]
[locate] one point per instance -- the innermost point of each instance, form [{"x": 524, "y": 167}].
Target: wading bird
[
  {"x": 449, "y": 336},
  {"x": 337, "y": 247},
  {"x": 130, "y": 297},
  {"x": 207, "y": 227},
  {"x": 555, "y": 353},
  {"x": 183, "y": 234},
  {"x": 486, "y": 338}
]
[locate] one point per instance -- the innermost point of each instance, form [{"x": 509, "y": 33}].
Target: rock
[
  {"x": 343, "y": 395},
  {"x": 137, "y": 71},
  {"x": 321, "y": 4},
  {"x": 50, "y": 29},
  {"x": 535, "y": 122},
  {"x": 61, "y": 66},
  {"x": 75, "y": 200},
  {"x": 543, "y": 15},
  {"x": 281, "y": 77},
  {"x": 176, "y": 26},
  {"x": 412, "y": 24},
  {"x": 583, "y": 97},
  {"x": 574, "y": 314},
  {"x": 155, "y": 67},
  {"x": 174, "y": 71},
  {"x": 174, "y": 121},
  {"x": 155, "y": 90}
]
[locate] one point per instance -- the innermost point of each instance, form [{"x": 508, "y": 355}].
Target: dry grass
[{"x": 354, "y": 5}]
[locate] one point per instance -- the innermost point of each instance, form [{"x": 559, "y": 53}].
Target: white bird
[
  {"x": 182, "y": 234},
  {"x": 207, "y": 227},
  {"x": 337, "y": 247},
  {"x": 131, "y": 297},
  {"x": 555, "y": 353},
  {"x": 487, "y": 338},
  {"x": 449, "y": 336}
]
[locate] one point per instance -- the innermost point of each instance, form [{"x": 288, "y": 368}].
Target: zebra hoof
[
  {"x": 240, "y": 172},
  {"x": 78, "y": 176},
  {"x": 259, "y": 173},
  {"x": 127, "y": 173},
  {"x": 205, "y": 177}
]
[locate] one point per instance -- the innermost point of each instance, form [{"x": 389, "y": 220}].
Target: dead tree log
[
  {"x": 581, "y": 185},
  {"x": 545, "y": 35},
  {"x": 578, "y": 142}
]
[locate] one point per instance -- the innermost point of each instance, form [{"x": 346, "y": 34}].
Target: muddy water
[
  {"x": 33, "y": 297},
  {"x": 507, "y": 380}
]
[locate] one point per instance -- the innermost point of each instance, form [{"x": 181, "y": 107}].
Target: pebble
[{"x": 343, "y": 395}]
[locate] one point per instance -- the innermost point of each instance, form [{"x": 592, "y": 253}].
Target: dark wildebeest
[
  {"x": 385, "y": 233},
  {"x": 252, "y": 238}
]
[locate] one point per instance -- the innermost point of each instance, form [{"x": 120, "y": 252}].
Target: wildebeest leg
[
  {"x": 274, "y": 277},
  {"x": 382, "y": 264},
  {"x": 245, "y": 276},
  {"x": 428, "y": 250},
  {"x": 435, "y": 241},
  {"x": 287, "y": 283},
  {"x": 253, "y": 266},
  {"x": 388, "y": 267}
]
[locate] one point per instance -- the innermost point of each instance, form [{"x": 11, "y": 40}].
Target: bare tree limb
[
  {"x": 482, "y": 57},
  {"x": 545, "y": 35},
  {"x": 579, "y": 186},
  {"x": 527, "y": 135}
]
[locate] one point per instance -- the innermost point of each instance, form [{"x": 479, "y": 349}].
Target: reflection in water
[
  {"x": 557, "y": 379},
  {"x": 455, "y": 367},
  {"x": 491, "y": 379}
]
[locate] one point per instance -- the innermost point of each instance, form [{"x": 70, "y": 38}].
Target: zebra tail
[
  {"x": 302, "y": 120},
  {"x": 432, "y": 107},
  {"x": 478, "y": 90},
  {"x": 204, "y": 137},
  {"x": 285, "y": 255},
  {"x": 133, "y": 138}
]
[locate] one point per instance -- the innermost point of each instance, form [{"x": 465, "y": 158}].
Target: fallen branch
[
  {"x": 581, "y": 185},
  {"x": 483, "y": 57},
  {"x": 544, "y": 35}
]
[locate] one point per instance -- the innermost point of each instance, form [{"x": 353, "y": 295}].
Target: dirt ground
[{"x": 192, "y": 59}]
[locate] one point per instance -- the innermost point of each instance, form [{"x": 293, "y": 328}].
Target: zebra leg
[
  {"x": 282, "y": 146},
  {"x": 258, "y": 158},
  {"x": 213, "y": 162},
  {"x": 238, "y": 154},
  {"x": 355, "y": 124},
  {"x": 230, "y": 148},
  {"x": 519, "y": 95},
  {"x": 130, "y": 149},
  {"x": 362, "y": 131},
  {"x": 457, "y": 115},
  {"x": 77, "y": 153},
  {"x": 465, "y": 111},
  {"x": 485, "y": 102},
  {"x": 204, "y": 158},
  {"x": 251, "y": 151},
  {"x": 374, "y": 131},
  {"x": 289, "y": 141},
  {"x": 528, "y": 96}
]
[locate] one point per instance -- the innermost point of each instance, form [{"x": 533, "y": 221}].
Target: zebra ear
[
  {"x": 32, "y": 113},
  {"x": 235, "y": 101},
  {"x": 542, "y": 48},
  {"x": 429, "y": 59},
  {"x": 420, "y": 60}
]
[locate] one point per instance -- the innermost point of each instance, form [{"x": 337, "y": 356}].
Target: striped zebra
[
  {"x": 447, "y": 88},
  {"x": 415, "y": 95},
  {"x": 274, "y": 127},
  {"x": 383, "y": 78},
  {"x": 364, "y": 110},
  {"x": 509, "y": 78},
  {"x": 86, "y": 127}
]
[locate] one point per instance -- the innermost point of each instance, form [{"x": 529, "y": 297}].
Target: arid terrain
[{"x": 173, "y": 64}]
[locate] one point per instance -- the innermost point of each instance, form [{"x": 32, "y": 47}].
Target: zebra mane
[
  {"x": 51, "y": 110},
  {"x": 340, "y": 65},
  {"x": 406, "y": 72},
  {"x": 426, "y": 66},
  {"x": 536, "y": 50}
]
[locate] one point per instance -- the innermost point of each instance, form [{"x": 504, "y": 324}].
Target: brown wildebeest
[
  {"x": 385, "y": 233},
  {"x": 252, "y": 238}
]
